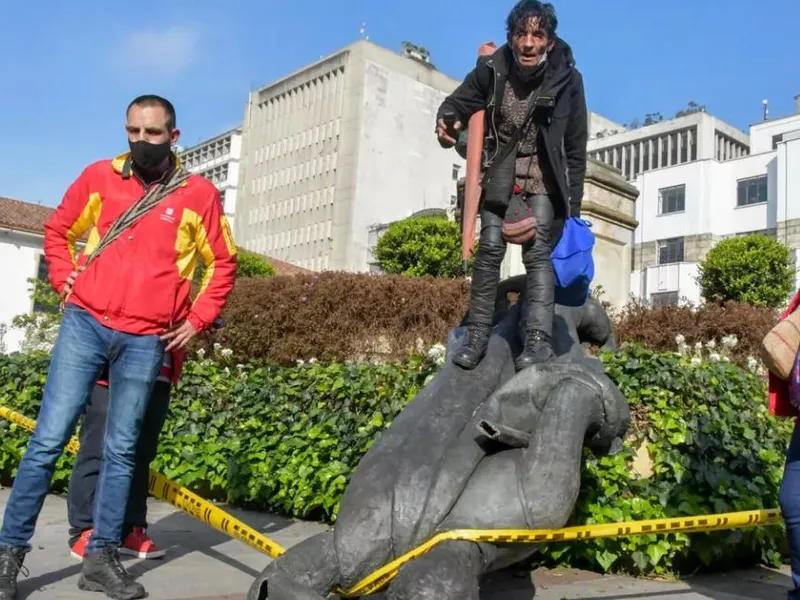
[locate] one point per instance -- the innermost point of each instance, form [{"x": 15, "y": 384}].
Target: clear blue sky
[{"x": 67, "y": 73}]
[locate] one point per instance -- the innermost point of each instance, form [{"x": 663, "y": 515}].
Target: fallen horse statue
[{"x": 481, "y": 449}]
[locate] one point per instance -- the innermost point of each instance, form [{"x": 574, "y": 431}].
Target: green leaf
[{"x": 606, "y": 559}]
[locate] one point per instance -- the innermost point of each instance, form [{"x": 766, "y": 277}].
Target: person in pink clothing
[{"x": 784, "y": 401}]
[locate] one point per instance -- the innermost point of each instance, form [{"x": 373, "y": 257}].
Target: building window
[
  {"x": 776, "y": 139},
  {"x": 456, "y": 171},
  {"x": 751, "y": 191},
  {"x": 43, "y": 284},
  {"x": 660, "y": 299},
  {"x": 670, "y": 251},
  {"x": 672, "y": 199}
]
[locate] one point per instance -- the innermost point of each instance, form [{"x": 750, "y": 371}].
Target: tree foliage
[
  {"x": 419, "y": 246},
  {"x": 754, "y": 269}
]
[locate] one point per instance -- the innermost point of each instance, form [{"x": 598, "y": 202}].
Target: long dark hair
[{"x": 543, "y": 12}]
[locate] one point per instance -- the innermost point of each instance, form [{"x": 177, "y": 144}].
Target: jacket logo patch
[{"x": 168, "y": 215}]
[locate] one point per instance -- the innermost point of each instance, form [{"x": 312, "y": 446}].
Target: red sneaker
[
  {"x": 139, "y": 544},
  {"x": 79, "y": 548}
]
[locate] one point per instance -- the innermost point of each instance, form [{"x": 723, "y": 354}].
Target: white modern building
[
  {"x": 217, "y": 159},
  {"x": 686, "y": 139},
  {"x": 340, "y": 146},
  {"x": 686, "y": 207}
]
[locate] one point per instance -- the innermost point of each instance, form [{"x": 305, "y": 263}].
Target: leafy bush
[
  {"x": 658, "y": 328},
  {"x": 754, "y": 269},
  {"x": 340, "y": 316},
  {"x": 287, "y": 438},
  {"x": 250, "y": 264},
  {"x": 419, "y": 246},
  {"x": 703, "y": 429}
]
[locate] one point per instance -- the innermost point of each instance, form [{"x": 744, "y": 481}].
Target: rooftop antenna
[
  {"x": 765, "y": 104},
  {"x": 363, "y": 32}
]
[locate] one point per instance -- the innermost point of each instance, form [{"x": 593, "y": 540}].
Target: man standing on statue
[
  {"x": 534, "y": 165},
  {"x": 126, "y": 303}
]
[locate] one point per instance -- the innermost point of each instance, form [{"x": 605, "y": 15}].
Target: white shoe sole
[{"x": 151, "y": 554}]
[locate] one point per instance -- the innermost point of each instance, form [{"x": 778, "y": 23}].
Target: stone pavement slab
[{"x": 202, "y": 564}]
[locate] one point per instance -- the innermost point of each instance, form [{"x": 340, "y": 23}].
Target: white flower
[
  {"x": 730, "y": 341},
  {"x": 201, "y": 353},
  {"x": 752, "y": 364},
  {"x": 698, "y": 346},
  {"x": 437, "y": 354},
  {"x": 696, "y": 361},
  {"x": 726, "y": 359},
  {"x": 240, "y": 367},
  {"x": 714, "y": 357},
  {"x": 680, "y": 340},
  {"x": 683, "y": 349},
  {"x": 217, "y": 346},
  {"x": 227, "y": 371},
  {"x": 711, "y": 345},
  {"x": 300, "y": 362},
  {"x": 226, "y": 352},
  {"x": 312, "y": 361}
]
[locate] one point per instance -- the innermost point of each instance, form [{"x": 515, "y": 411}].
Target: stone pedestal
[{"x": 609, "y": 203}]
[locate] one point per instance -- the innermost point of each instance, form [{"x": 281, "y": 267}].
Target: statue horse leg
[
  {"x": 450, "y": 571},
  {"x": 308, "y": 571}
]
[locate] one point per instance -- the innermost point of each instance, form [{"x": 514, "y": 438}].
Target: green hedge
[{"x": 286, "y": 439}]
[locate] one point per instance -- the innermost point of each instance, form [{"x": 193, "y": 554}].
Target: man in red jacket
[{"x": 125, "y": 310}]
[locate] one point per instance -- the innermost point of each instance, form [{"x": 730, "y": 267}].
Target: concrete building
[
  {"x": 684, "y": 209},
  {"x": 340, "y": 146},
  {"x": 217, "y": 159},
  {"x": 686, "y": 139}
]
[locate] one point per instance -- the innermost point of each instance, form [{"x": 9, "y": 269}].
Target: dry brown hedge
[
  {"x": 340, "y": 316},
  {"x": 656, "y": 328},
  {"x": 346, "y": 316}
]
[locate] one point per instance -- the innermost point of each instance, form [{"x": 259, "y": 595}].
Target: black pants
[
  {"x": 536, "y": 256},
  {"x": 80, "y": 496}
]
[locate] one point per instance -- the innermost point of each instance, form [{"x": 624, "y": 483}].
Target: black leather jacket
[{"x": 563, "y": 124}]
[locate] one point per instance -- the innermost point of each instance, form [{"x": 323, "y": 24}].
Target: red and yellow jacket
[{"x": 141, "y": 283}]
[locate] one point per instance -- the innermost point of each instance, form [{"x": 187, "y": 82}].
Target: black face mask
[{"x": 149, "y": 156}]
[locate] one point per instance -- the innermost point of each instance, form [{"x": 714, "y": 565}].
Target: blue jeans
[
  {"x": 83, "y": 348},
  {"x": 789, "y": 499}
]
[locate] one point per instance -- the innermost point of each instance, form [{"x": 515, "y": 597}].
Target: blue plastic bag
[{"x": 572, "y": 258}]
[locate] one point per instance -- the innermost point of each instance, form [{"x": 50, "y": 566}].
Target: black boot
[
  {"x": 470, "y": 354},
  {"x": 103, "y": 572},
  {"x": 538, "y": 349},
  {"x": 11, "y": 560}
]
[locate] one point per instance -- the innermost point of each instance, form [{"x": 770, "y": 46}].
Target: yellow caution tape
[
  {"x": 751, "y": 518},
  {"x": 181, "y": 498},
  {"x": 191, "y": 503}
]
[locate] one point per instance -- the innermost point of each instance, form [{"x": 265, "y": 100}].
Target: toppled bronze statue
[{"x": 481, "y": 449}]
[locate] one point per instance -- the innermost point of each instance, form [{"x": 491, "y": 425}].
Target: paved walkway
[{"x": 202, "y": 564}]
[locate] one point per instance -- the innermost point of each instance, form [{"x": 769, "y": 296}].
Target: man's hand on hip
[
  {"x": 179, "y": 336},
  {"x": 71, "y": 281}
]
